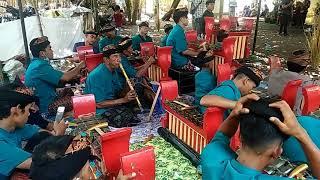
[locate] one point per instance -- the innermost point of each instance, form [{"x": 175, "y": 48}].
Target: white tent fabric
[{"x": 63, "y": 33}]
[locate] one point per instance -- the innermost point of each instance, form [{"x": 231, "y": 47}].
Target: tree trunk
[
  {"x": 129, "y": 10},
  {"x": 135, "y": 11},
  {"x": 157, "y": 14},
  {"x": 174, "y": 6}
]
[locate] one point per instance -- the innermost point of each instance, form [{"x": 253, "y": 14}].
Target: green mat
[{"x": 170, "y": 163}]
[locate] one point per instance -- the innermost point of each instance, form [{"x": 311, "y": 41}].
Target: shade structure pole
[
  {"x": 23, "y": 28},
  {"x": 256, "y": 29}
]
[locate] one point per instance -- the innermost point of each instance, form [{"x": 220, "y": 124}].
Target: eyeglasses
[{"x": 40, "y": 40}]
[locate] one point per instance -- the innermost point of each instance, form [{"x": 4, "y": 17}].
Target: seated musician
[
  {"x": 205, "y": 81},
  {"x": 68, "y": 157},
  {"x": 41, "y": 76},
  {"x": 261, "y": 136},
  {"x": 90, "y": 40},
  {"x": 35, "y": 117},
  {"x": 112, "y": 100},
  {"x": 167, "y": 30},
  {"x": 15, "y": 108},
  {"x": 221, "y": 35},
  {"x": 142, "y": 37},
  {"x": 279, "y": 78},
  {"x": 180, "y": 52},
  {"x": 109, "y": 37},
  {"x": 207, "y": 13},
  {"x": 137, "y": 75},
  {"x": 229, "y": 92}
]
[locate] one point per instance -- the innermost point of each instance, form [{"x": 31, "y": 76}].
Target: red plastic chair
[
  {"x": 191, "y": 36},
  {"x": 141, "y": 161},
  {"x": 225, "y": 24},
  {"x": 164, "y": 61},
  {"x": 84, "y": 105},
  {"x": 209, "y": 26},
  {"x": 311, "y": 96},
  {"x": 84, "y": 50},
  {"x": 235, "y": 141},
  {"x": 169, "y": 90},
  {"x": 224, "y": 72},
  {"x": 228, "y": 48},
  {"x": 113, "y": 144},
  {"x": 289, "y": 93},
  {"x": 212, "y": 119},
  {"x": 147, "y": 49},
  {"x": 248, "y": 24},
  {"x": 93, "y": 60}
]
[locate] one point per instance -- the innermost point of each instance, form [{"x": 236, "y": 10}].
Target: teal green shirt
[
  {"x": 137, "y": 39},
  {"x": 292, "y": 148},
  {"x": 164, "y": 40},
  {"x": 226, "y": 89},
  {"x": 41, "y": 76},
  {"x": 11, "y": 152},
  {"x": 218, "y": 161},
  {"x": 105, "y": 41},
  {"x": 177, "y": 39},
  {"x": 205, "y": 82},
  {"x": 130, "y": 70},
  {"x": 103, "y": 84}
]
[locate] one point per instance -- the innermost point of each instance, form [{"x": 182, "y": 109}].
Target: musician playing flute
[
  {"x": 111, "y": 99},
  {"x": 181, "y": 55},
  {"x": 137, "y": 75}
]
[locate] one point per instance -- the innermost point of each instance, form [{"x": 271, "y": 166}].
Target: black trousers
[{"x": 284, "y": 22}]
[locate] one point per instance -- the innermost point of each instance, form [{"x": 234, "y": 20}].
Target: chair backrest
[
  {"x": 212, "y": 119},
  {"x": 93, "y": 60},
  {"x": 224, "y": 72},
  {"x": 141, "y": 161},
  {"x": 169, "y": 90},
  {"x": 84, "y": 50},
  {"x": 191, "y": 36},
  {"x": 248, "y": 24},
  {"x": 225, "y": 23},
  {"x": 84, "y": 105},
  {"x": 164, "y": 60},
  {"x": 289, "y": 93},
  {"x": 113, "y": 144},
  {"x": 209, "y": 26},
  {"x": 228, "y": 45},
  {"x": 147, "y": 49},
  {"x": 311, "y": 95}
]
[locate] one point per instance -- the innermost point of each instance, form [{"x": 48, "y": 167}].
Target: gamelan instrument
[{"x": 130, "y": 85}]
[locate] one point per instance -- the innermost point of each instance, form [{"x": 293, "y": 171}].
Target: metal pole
[
  {"x": 23, "y": 28},
  {"x": 257, "y": 27},
  {"x": 38, "y": 18}
]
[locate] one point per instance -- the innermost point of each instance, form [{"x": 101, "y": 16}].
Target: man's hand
[
  {"x": 59, "y": 128},
  {"x": 238, "y": 109},
  {"x": 209, "y": 53},
  {"x": 125, "y": 177},
  {"x": 131, "y": 95},
  {"x": 290, "y": 125}
]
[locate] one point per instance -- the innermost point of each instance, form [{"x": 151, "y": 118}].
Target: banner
[{"x": 63, "y": 33}]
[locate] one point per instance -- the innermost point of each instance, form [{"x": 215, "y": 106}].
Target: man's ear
[
  {"x": 15, "y": 110},
  {"x": 277, "y": 151}
]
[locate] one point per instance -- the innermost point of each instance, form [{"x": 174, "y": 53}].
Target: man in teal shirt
[
  {"x": 142, "y": 37},
  {"x": 261, "y": 137},
  {"x": 104, "y": 82},
  {"x": 177, "y": 39},
  {"x": 205, "y": 82},
  {"x": 292, "y": 149},
  {"x": 229, "y": 92},
  {"x": 142, "y": 85},
  {"x": 109, "y": 37},
  {"x": 15, "y": 108},
  {"x": 167, "y": 30},
  {"x": 41, "y": 76}
]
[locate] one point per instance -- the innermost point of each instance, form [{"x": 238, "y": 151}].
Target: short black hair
[
  {"x": 10, "y": 98},
  {"x": 167, "y": 28},
  {"x": 178, "y": 14},
  {"x": 295, "y": 67},
  {"x": 221, "y": 35},
  {"x": 210, "y": 1},
  {"x": 256, "y": 130},
  {"x": 116, "y": 7}
]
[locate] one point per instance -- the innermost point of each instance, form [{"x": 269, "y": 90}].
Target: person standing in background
[
  {"x": 285, "y": 14},
  {"x": 197, "y": 9}
]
